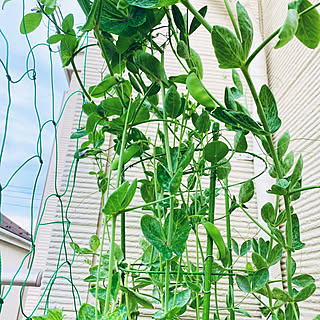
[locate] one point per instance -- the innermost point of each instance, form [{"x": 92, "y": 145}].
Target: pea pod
[
  {"x": 216, "y": 236},
  {"x": 198, "y": 91},
  {"x": 172, "y": 102},
  {"x": 127, "y": 156},
  {"x": 182, "y": 50},
  {"x": 195, "y": 62}
]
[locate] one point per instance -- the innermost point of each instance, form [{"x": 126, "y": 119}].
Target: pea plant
[{"x": 189, "y": 150}]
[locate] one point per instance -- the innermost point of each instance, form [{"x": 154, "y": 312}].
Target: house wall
[{"x": 13, "y": 250}]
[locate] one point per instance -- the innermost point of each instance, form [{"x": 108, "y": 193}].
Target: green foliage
[
  {"x": 289, "y": 29},
  {"x": 135, "y": 99},
  {"x": 227, "y": 48},
  {"x": 30, "y": 22},
  {"x": 53, "y": 314}
]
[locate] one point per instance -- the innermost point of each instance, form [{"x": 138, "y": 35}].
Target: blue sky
[{"x": 23, "y": 130}]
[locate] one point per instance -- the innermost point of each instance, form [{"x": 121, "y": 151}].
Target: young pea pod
[
  {"x": 198, "y": 91},
  {"x": 216, "y": 236},
  {"x": 127, "y": 156},
  {"x": 172, "y": 102}
]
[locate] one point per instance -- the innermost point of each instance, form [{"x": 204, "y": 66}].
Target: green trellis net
[{"x": 39, "y": 159}]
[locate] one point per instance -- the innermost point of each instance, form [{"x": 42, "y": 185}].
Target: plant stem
[
  {"x": 196, "y": 14},
  {"x": 111, "y": 263},
  {"x": 304, "y": 189},
  {"x": 80, "y": 81},
  {"x": 114, "y": 216},
  {"x": 261, "y": 46},
  {"x": 229, "y": 245},
  {"x": 235, "y": 26},
  {"x": 279, "y": 174},
  {"x": 209, "y": 259}
]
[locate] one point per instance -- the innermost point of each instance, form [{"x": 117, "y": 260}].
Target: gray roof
[{"x": 12, "y": 227}]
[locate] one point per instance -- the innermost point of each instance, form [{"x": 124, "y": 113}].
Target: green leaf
[
  {"x": 243, "y": 283},
  {"x": 187, "y": 157},
  {"x": 227, "y": 47},
  {"x": 154, "y": 233},
  {"x": 141, "y": 299},
  {"x": 280, "y": 187},
  {"x": 175, "y": 182},
  {"x": 289, "y": 28},
  {"x": 180, "y": 231},
  {"x": 111, "y": 106},
  {"x": 278, "y": 234},
  {"x": 246, "y": 122},
  {"x": 317, "y": 317},
  {"x": 303, "y": 280},
  {"x": 290, "y": 313},
  {"x": 223, "y": 169},
  {"x": 242, "y": 311},
  {"x": 246, "y": 29},
  {"x": 172, "y": 102},
  {"x": 309, "y": 25},
  {"x": 101, "y": 88},
  {"x": 236, "y": 80},
  {"x": 270, "y": 109},
  {"x": 91, "y": 22},
  {"x": 68, "y": 23},
  {"x": 203, "y": 122},
  {"x": 305, "y": 292},
  {"x": 150, "y": 65},
  {"x": 79, "y": 134},
  {"x": 259, "y": 261},
  {"x": 67, "y": 47},
  {"x": 49, "y": 3},
  {"x": 215, "y": 151},
  {"x": 195, "y": 24},
  {"x": 114, "y": 202},
  {"x": 178, "y": 18},
  {"x": 283, "y": 144},
  {"x": 53, "y": 314},
  {"x": 296, "y": 174},
  {"x": 275, "y": 255},
  {"x": 129, "y": 194},
  {"x": 216, "y": 236},
  {"x": 245, "y": 248},
  {"x": 163, "y": 177},
  {"x": 246, "y": 192},
  {"x": 180, "y": 300},
  {"x": 55, "y": 38},
  {"x": 30, "y": 22},
  {"x": 268, "y": 213},
  {"x": 87, "y": 312},
  {"x": 182, "y": 78},
  {"x": 143, "y": 3},
  {"x": 240, "y": 142},
  {"x": 281, "y": 295},
  {"x": 260, "y": 278},
  {"x": 296, "y": 242},
  {"x": 235, "y": 246},
  {"x": 94, "y": 242}
]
